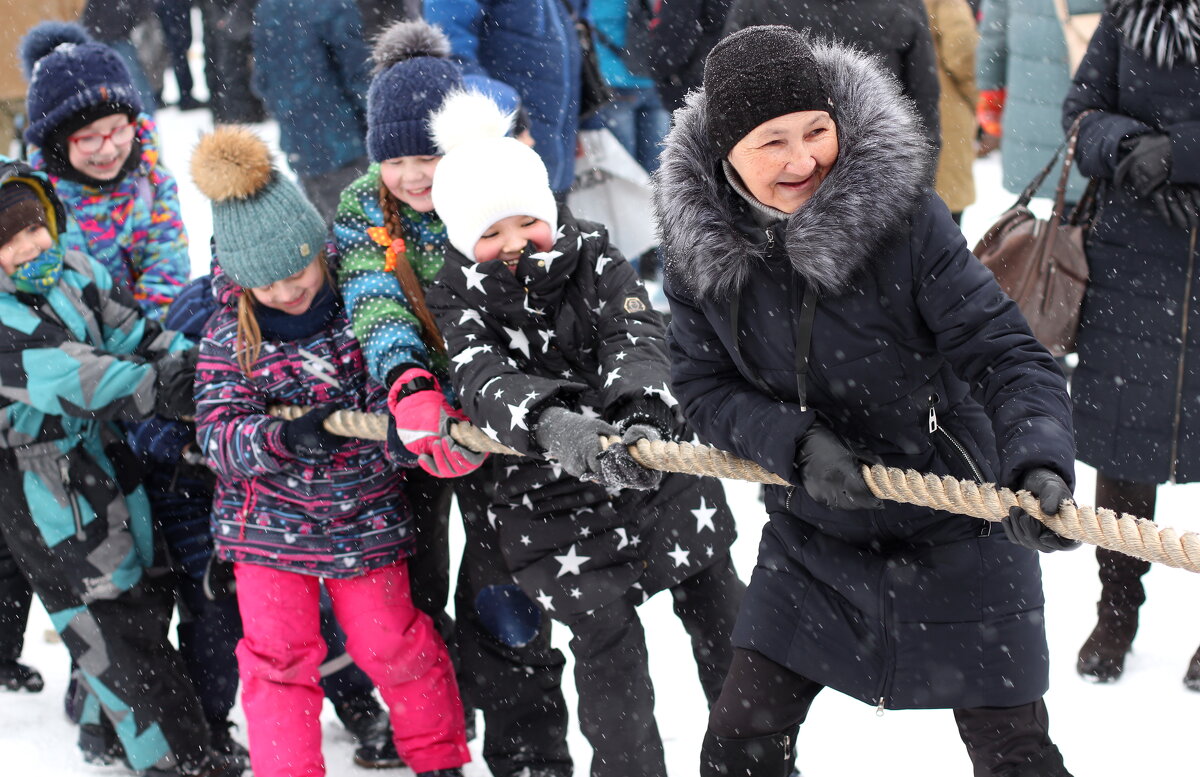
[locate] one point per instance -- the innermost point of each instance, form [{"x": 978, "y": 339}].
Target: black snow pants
[
  {"x": 517, "y": 686},
  {"x": 15, "y": 598},
  {"x": 612, "y": 673}
]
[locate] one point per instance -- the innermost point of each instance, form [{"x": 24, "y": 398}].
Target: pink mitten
[{"x": 423, "y": 418}]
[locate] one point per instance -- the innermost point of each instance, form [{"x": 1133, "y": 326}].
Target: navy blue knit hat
[
  {"x": 72, "y": 80},
  {"x": 412, "y": 77}
]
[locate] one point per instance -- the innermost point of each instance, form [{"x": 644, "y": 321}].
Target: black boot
[
  {"x": 98, "y": 743},
  {"x": 1045, "y": 763},
  {"x": 210, "y": 765},
  {"x": 367, "y": 722},
  {"x": 1102, "y": 657},
  {"x": 223, "y": 744},
  {"x": 766, "y": 756},
  {"x": 16, "y": 676},
  {"x": 1192, "y": 678}
]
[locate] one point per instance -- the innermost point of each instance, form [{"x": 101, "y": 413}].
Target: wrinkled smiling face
[
  {"x": 506, "y": 239},
  {"x": 100, "y": 149},
  {"x": 295, "y": 294},
  {"x": 410, "y": 180},
  {"x": 783, "y": 161},
  {"x": 25, "y": 246}
]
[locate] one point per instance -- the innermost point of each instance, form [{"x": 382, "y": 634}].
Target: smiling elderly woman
[{"x": 826, "y": 312}]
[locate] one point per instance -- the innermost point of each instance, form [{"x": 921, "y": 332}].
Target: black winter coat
[
  {"x": 576, "y": 330},
  {"x": 903, "y": 606},
  {"x": 895, "y": 30},
  {"x": 683, "y": 34},
  {"x": 1139, "y": 338}
]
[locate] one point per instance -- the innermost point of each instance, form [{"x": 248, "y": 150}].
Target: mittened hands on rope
[
  {"x": 423, "y": 418},
  {"x": 573, "y": 440},
  {"x": 1146, "y": 165},
  {"x": 1023, "y": 529},
  {"x": 618, "y": 468},
  {"x": 307, "y": 438},
  {"x": 831, "y": 472},
  {"x": 175, "y": 375}
]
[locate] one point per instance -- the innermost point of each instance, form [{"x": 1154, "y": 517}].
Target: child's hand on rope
[
  {"x": 1023, "y": 529},
  {"x": 423, "y": 417},
  {"x": 573, "y": 440}
]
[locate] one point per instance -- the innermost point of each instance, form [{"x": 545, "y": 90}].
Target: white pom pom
[{"x": 467, "y": 116}]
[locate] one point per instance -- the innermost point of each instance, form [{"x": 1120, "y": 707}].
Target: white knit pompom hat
[{"x": 484, "y": 176}]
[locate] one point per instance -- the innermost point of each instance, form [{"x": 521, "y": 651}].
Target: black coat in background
[
  {"x": 896, "y": 30},
  {"x": 577, "y": 330},
  {"x": 902, "y": 606},
  {"x": 1138, "y": 377},
  {"x": 683, "y": 34}
]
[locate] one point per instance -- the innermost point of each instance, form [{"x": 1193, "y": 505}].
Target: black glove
[
  {"x": 1179, "y": 206},
  {"x": 175, "y": 375},
  {"x": 831, "y": 472},
  {"x": 307, "y": 438},
  {"x": 619, "y": 470},
  {"x": 218, "y": 582},
  {"x": 573, "y": 440},
  {"x": 1023, "y": 529},
  {"x": 1146, "y": 165}
]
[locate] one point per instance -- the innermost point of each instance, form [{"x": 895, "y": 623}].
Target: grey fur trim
[
  {"x": 883, "y": 165},
  {"x": 404, "y": 40},
  {"x": 1165, "y": 32}
]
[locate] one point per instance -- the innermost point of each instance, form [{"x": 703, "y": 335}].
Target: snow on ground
[{"x": 1141, "y": 725}]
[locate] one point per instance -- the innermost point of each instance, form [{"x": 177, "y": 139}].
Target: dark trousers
[
  {"x": 228, "y": 61},
  {"x": 516, "y": 686},
  {"x": 175, "y": 17},
  {"x": 612, "y": 673},
  {"x": 119, "y": 643},
  {"x": 15, "y": 597},
  {"x": 762, "y": 698},
  {"x": 324, "y": 191}
]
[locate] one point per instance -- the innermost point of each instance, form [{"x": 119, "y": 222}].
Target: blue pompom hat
[
  {"x": 413, "y": 77},
  {"x": 73, "y": 80}
]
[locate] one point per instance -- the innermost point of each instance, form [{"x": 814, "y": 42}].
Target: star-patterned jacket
[{"x": 573, "y": 327}]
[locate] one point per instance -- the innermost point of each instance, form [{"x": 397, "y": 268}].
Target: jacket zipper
[
  {"x": 885, "y": 608},
  {"x": 935, "y": 428},
  {"x": 1183, "y": 335},
  {"x": 65, "y": 477}
]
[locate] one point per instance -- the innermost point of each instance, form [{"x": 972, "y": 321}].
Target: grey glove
[
  {"x": 619, "y": 470},
  {"x": 573, "y": 440},
  {"x": 1023, "y": 529}
]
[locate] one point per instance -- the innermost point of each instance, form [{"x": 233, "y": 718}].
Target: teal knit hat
[{"x": 264, "y": 228}]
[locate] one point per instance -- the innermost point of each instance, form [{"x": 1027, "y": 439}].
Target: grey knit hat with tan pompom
[{"x": 264, "y": 228}]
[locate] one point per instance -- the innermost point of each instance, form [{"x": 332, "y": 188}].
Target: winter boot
[
  {"x": 442, "y": 773},
  {"x": 224, "y": 745},
  {"x": 211, "y": 765},
  {"x": 98, "y": 743},
  {"x": 1192, "y": 678},
  {"x": 765, "y": 756},
  {"x": 1102, "y": 657},
  {"x": 368, "y": 722},
  {"x": 16, "y": 676}
]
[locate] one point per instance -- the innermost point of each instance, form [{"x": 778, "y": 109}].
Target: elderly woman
[{"x": 826, "y": 312}]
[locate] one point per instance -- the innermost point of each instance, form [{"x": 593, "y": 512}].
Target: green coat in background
[{"x": 1021, "y": 48}]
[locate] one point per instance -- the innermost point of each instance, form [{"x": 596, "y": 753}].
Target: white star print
[
  {"x": 620, "y": 356},
  {"x": 525, "y": 540},
  {"x": 547, "y": 256},
  {"x": 603, "y": 260},
  {"x": 681, "y": 556},
  {"x": 663, "y": 393},
  {"x": 490, "y": 432},
  {"x": 589, "y": 235},
  {"x": 517, "y": 340},
  {"x": 546, "y": 336},
  {"x": 708, "y": 549},
  {"x": 470, "y": 353},
  {"x": 474, "y": 277},
  {"x": 518, "y": 413},
  {"x": 635, "y": 540},
  {"x": 546, "y": 600},
  {"x": 572, "y": 562},
  {"x": 624, "y": 537},
  {"x": 587, "y": 411},
  {"x": 470, "y": 315},
  {"x": 704, "y": 515},
  {"x": 612, "y": 377},
  {"x": 491, "y": 516},
  {"x": 576, "y": 593}
]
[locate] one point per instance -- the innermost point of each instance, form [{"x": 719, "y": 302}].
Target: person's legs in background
[
  {"x": 15, "y": 598},
  {"x": 175, "y": 16}
]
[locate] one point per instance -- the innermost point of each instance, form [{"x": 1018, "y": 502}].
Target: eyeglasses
[{"x": 94, "y": 141}]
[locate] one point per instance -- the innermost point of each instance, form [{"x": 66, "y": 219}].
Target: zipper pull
[
  {"x": 933, "y": 424},
  {"x": 787, "y": 748},
  {"x": 65, "y": 476},
  {"x": 880, "y": 708},
  {"x": 770, "y": 239}
]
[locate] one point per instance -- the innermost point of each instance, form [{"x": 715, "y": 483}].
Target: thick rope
[{"x": 1101, "y": 527}]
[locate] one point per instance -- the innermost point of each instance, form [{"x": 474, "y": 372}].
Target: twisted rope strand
[{"x": 1102, "y": 527}]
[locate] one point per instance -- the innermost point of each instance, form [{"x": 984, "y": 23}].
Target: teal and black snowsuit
[{"x": 73, "y": 362}]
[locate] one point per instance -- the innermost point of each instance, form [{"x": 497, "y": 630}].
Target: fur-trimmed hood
[
  {"x": 1165, "y": 32},
  {"x": 883, "y": 164}
]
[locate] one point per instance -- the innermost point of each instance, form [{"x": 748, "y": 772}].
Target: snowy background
[{"x": 1142, "y": 725}]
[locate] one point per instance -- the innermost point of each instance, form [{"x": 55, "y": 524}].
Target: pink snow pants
[{"x": 392, "y": 641}]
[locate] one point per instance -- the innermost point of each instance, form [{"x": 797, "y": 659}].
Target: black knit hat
[
  {"x": 755, "y": 75},
  {"x": 19, "y": 208}
]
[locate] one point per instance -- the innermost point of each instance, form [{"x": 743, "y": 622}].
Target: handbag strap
[{"x": 1068, "y": 147}]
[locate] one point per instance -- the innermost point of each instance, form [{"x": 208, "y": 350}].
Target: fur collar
[
  {"x": 1165, "y": 32},
  {"x": 883, "y": 164}
]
